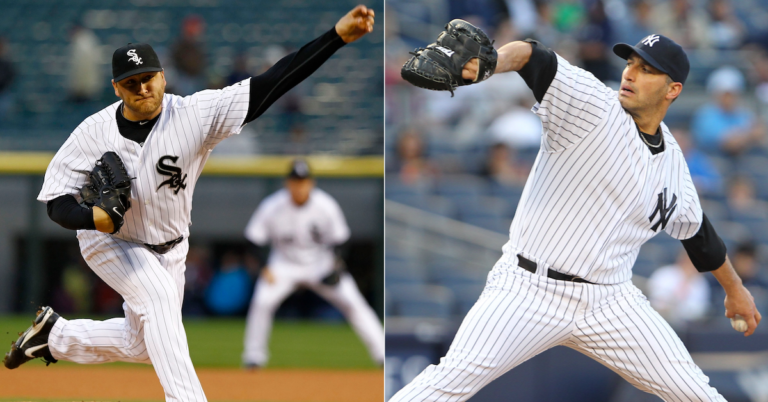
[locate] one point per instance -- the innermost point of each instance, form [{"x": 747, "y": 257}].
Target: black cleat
[{"x": 33, "y": 343}]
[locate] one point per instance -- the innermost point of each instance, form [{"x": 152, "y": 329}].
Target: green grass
[{"x": 219, "y": 343}]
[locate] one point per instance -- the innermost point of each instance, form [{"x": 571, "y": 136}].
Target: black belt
[
  {"x": 530, "y": 266},
  {"x": 165, "y": 247}
]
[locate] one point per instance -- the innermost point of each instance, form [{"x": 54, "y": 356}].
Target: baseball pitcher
[{"x": 608, "y": 177}]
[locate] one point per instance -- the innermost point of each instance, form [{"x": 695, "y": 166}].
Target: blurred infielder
[
  {"x": 609, "y": 176},
  {"x": 303, "y": 224},
  {"x": 149, "y": 149}
]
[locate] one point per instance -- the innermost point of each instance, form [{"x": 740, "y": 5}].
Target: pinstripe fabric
[
  {"x": 594, "y": 196},
  {"x": 586, "y": 205},
  {"x": 152, "y": 285},
  {"x": 151, "y": 332},
  {"x": 188, "y": 128},
  {"x": 520, "y": 314}
]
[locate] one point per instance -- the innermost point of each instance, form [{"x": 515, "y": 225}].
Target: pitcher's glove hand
[
  {"x": 109, "y": 188},
  {"x": 333, "y": 279},
  {"x": 438, "y": 66}
]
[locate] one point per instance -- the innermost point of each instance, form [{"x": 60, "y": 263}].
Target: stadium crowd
[{"x": 55, "y": 69}]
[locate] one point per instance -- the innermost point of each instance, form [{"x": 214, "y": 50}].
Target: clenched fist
[
  {"x": 470, "y": 70},
  {"x": 355, "y": 24}
]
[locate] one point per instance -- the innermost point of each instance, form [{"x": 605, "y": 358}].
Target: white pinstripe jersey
[
  {"x": 596, "y": 193},
  {"x": 165, "y": 168},
  {"x": 301, "y": 236}
]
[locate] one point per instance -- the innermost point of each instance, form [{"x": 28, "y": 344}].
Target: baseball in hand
[{"x": 739, "y": 323}]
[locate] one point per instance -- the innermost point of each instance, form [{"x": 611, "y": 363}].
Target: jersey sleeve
[
  {"x": 257, "y": 230},
  {"x": 689, "y": 219},
  {"x": 338, "y": 228},
  {"x": 62, "y": 176},
  {"x": 572, "y": 107},
  {"x": 223, "y": 111}
]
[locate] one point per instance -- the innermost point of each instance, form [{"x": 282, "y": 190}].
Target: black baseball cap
[
  {"x": 299, "y": 170},
  {"x": 662, "y": 53},
  {"x": 132, "y": 59}
]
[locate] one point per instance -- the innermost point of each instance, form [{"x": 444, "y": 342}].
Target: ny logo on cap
[
  {"x": 134, "y": 57},
  {"x": 650, "y": 40}
]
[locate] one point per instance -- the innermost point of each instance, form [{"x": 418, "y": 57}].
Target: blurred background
[
  {"x": 456, "y": 168},
  {"x": 55, "y": 70}
]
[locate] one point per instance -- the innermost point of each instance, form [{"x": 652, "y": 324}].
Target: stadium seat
[
  {"x": 447, "y": 275},
  {"x": 404, "y": 273},
  {"x": 509, "y": 193},
  {"x": 461, "y": 186},
  {"x": 495, "y": 224},
  {"x": 422, "y": 301},
  {"x": 483, "y": 206},
  {"x": 395, "y": 188},
  {"x": 466, "y": 296}
]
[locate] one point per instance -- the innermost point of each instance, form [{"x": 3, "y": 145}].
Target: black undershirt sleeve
[
  {"x": 540, "y": 70},
  {"x": 706, "y": 249},
  {"x": 67, "y": 212},
  {"x": 289, "y": 72}
]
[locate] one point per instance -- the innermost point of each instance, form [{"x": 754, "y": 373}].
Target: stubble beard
[{"x": 145, "y": 107}]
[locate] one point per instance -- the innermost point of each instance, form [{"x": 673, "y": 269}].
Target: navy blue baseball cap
[
  {"x": 660, "y": 52},
  {"x": 299, "y": 170},
  {"x": 132, "y": 59}
]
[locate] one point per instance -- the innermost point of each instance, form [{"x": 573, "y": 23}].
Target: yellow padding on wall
[{"x": 264, "y": 166}]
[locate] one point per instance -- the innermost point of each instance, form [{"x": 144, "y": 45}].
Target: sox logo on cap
[{"x": 134, "y": 57}]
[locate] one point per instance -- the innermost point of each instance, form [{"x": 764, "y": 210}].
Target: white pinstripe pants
[
  {"x": 345, "y": 296},
  {"x": 151, "y": 332},
  {"x": 520, "y": 314}
]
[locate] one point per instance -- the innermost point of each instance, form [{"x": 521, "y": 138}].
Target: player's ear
[
  {"x": 673, "y": 90},
  {"x": 114, "y": 85}
]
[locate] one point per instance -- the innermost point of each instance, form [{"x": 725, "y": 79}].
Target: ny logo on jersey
[
  {"x": 664, "y": 211},
  {"x": 134, "y": 57},
  {"x": 650, "y": 40},
  {"x": 176, "y": 181}
]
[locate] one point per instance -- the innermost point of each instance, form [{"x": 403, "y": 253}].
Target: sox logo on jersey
[
  {"x": 176, "y": 180},
  {"x": 589, "y": 204}
]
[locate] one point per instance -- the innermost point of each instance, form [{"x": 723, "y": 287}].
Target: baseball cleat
[{"x": 33, "y": 343}]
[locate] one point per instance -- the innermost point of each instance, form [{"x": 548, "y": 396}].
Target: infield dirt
[{"x": 141, "y": 384}]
